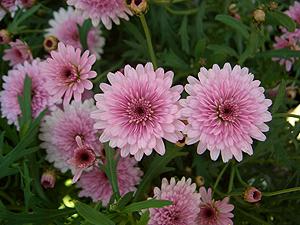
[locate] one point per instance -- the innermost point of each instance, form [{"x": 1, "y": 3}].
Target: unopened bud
[
  {"x": 48, "y": 179},
  {"x": 4, "y": 37},
  {"x": 259, "y": 15},
  {"x": 200, "y": 181},
  {"x": 138, "y": 7},
  {"x": 50, "y": 43},
  {"x": 233, "y": 9},
  {"x": 252, "y": 195},
  {"x": 273, "y": 5}
]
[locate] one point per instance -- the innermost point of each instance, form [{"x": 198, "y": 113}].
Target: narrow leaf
[
  {"x": 282, "y": 19},
  {"x": 279, "y": 98},
  {"x": 83, "y": 33},
  {"x": 152, "y": 203}
]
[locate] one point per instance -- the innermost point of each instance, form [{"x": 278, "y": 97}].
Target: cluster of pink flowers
[
  {"x": 290, "y": 40},
  {"x": 12, "y": 6}
]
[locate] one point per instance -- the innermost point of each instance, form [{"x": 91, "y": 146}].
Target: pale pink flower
[
  {"x": 68, "y": 73},
  {"x": 185, "y": 203},
  {"x": 18, "y": 53},
  {"x": 138, "y": 110},
  {"x": 13, "y": 87},
  {"x": 64, "y": 27},
  {"x": 60, "y": 129},
  {"x": 225, "y": 109},
  {"x": 26, "y": 3},
  {"x": 48, "y": 179},
  {"x": 214, "y": 212},
  {"x": 252, "y": 195},
  {"x": 290, "y": 40},
  {"x": 8, "y": 6},
  {"x": 294, "y": 11},
  {"x": 95, "y": 184},
  {"x": 106, "y": 11}
]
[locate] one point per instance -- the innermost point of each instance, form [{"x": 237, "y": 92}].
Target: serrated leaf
[
  {"x": 183, "y": 32},
  {"x": 282, "y": 19},
  {"x": 152, "y": 203},
  {"x": 279, "y": 98}
]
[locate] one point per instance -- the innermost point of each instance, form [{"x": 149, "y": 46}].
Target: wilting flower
[
  {"x": 107, "y": 11},
  {"x": 289, "y": 40},
  {"x": 252, "y": 195},
  {"x": 13, "y": 87},
  {"x": 185, "y": 203},
  {"x": 95, "y": 184},
  {"x": 225, "y": 109},
  {"x": 68, "y": 73},
  {"x": 294, "y": 11},
  {"x": 64, "y": 27},
  {"x": 18, "y": 53},
  {"x": 138, "y": 110},
  {"x": 4, "y": 37},
  {"x": 214, "y": 212},
  {"x": 48, "y": 179},
  {"x": 138, "y": 7},
  {"x": 60, "y": 129}
]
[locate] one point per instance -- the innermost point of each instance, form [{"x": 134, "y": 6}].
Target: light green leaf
[{"x": 152, "y": 203}]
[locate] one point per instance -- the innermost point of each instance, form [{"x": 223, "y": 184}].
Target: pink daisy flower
[
  {"x": 64, "y": 28},
  {"x": 13, "y": 87},
  {"x": 138, "y": 110},
  {"x": 95, "y": 184},
  {"x": 8, "y": 5},
  {"x": 107, "y": 11},
  {"x": 225, "y": 109},
  {"x": 18, "y": 53},
  {"x": 185, "y": 207},
  {"x": 59, "y": 131},
  {"x": 68, "y": 73},
  {"x": 291, "y": 41},
  {"x": 214, "y": 212},
  {"x": 294, "y": 12}
]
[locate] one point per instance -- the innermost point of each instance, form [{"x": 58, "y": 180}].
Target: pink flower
[
  {"x": 294, "y": 12},
  {"x": 225, "y": 109},
  {"x": 214, "y": 212},
  {"x": 185, "y": 207},
  {"x": 107, "y": 11},
  {"x": 64, "y": 28},
  {"x": 290, "y": 41},
  {"x": 252, "y": 195},
  {"x": 60, "y": 129},
  {"x": 95, "y": 184},
  {"x": 13, "y": 87},
  {"x": 68, "y": 73},
  {"x": 8, "y": 5},
  {"x": 138, "y": 110},
  {"x": 26, "y": 3},
  {"x": 48, "y": 179},
  {"x": 18, "y": 53}
]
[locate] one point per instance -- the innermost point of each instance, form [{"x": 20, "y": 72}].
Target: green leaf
[
  {"x": 144, "y": 218},
  {"x": 110, "y": 169},
  {"x": 92, "y": 215},
  {"x": 282, "y": 19},
  {"x": 279, "y": 98},
  {"x": 223, "y": 49},
  {"x": 152, "y": 203},
  {"x": 199, "y": 49},
  {"x": 234, "y": 23},
  {"x": 252, "y": 46},
  {"x": 83, "y": 33},
  {"x": 183, "y": 33},
  {"x": 280, "y": 53},
  {"x": 2, "y": 144},
  {"x": 25, "y": 106},
  {"x": 125, "y": 200}
]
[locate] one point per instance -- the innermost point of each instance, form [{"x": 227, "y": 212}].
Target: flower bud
[
  {"x": 48, "y": 179},
  {"x": 27, "y": 3},
  {"x": 200, "y": 181},
  {"x": 252, "y": 195},
  {"x": 259, "y": 15},
  {"x": 4, "y": 37},
  {"x": 273, "y": 5},
  {"x": 138, "y": 7},
  {"x": 50, "y": 43}
]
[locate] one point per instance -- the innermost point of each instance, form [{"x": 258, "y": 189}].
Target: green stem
[
  {"x": 220, "y": 176},
  {"x": 7, "y": 197},
  {"x": 240, "y": 178},
  {"x": 131, "y": 219},
  {"x": 149, "y": 41},
  {"x": 231, "y": 179},
  {"x": 29, "y": 31},
  {"x": 284, "y": 191},
  {"x": 279, "y": 115},
  {"x": 182, "y": 12},
  {"x": 260, "y": 221}
]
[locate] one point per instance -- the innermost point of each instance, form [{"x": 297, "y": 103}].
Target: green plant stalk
[
  {"x": 182, "y": 12},
  {"x": 284, "y": 191},
  {"x": 240, "y": 178},
  {"x": 279, "y": 115},
  {"x": 260, "y": 221},
  {"x": 149, "y": 41},
  {"x": 220, "y": 176},
  {"x": 231, "y": 180}
]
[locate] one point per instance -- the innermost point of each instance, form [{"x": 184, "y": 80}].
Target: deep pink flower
[
  {"x": 225, "y": 109},
  {"x": 18, "y": 53},
  {"x": 48, "y": 179},
  {"x": 107, "y": 11},
  {"x": 95, "y": 184},
  {"x": 13, "y": 87},
  {"x": 64, "y": 28},
  {"x": 68, "y": 73},
  {"x": 294, "y": 12},
  {"x": 138, "y": 110},
  {"x": 214, "y": 212},
  {"x": 252, "y": 195},
  {"x": 60, "y": 129},
  {"x": 185, "y": 207}
]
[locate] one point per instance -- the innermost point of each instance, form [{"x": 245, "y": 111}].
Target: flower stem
[
  {"x": 149, "y": 41},
  {"x": 182, "y": 12},
  {"x": 260, "y": 221},
  {"x": 231, "y": 179},
  {"x": 220, "y": 176},
  {"x": 240, "y": 178},
  {"x": 284, "y": 191},
  {"x": 279, "y": 115}
]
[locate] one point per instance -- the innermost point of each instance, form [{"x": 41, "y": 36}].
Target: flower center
[
  {"x": 227, "y": 111},
  {"x": 207, "y": 212},
  {"x": 70, "y": 73},
  {"x": 256, "y": 195},
  {"x": 84, "y": 157},
  {"x": 139, "y": 111}
]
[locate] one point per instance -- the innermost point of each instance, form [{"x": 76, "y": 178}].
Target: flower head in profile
[
  {"x": 225, "y": 109},
  {"x": 214, "y": 212},
  {"x": 95, "y": 184},
  {"x": 60, "y": 134},
  {"x": 13, "y": 87},
  {"x": 252, "y": 195},
  {"x": 185, "y": 203},
  {"x": 294, "y": 12},
  {"x": 68, "y": 73},
  {"x": 48, "y": 179},
  {"x": 64, "y": 27},
  {"x": 138, "y": 110},
  {"x": 106, "y": 11},
  {"x": 18, "y": 53}
]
